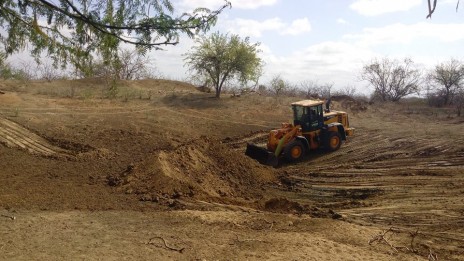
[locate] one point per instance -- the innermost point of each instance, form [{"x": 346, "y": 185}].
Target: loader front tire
[
  {"x": 334, "y": 141},
  {"x": 294, "y": 151}
]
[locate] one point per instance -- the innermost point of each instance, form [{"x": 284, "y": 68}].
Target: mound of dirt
[
  {"x": 203, "y": 169},
  {"x": 283, "y": 205}
]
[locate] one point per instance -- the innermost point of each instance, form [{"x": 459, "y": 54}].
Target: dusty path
[{"x": 185, "y": 235}]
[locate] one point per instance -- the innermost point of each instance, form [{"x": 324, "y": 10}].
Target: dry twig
[
  {"x": 10, "y": 217},
  {"x": 432, "y": 256},
  {"x": 247, "y": 240},
  {"x": 381, "y": 238},
  {"x": 413, "y": 236},
  {"x": 180, "y": 250},
  {"x": 269, "y": 222}
]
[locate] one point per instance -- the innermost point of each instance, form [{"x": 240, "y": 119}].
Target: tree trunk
[
  {"x": 220, "y": 83},
  {"x": 218, "y": 92},
  {"x": 447, "y": 95}
]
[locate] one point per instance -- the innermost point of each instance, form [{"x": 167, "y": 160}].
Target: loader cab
[{"x": 308, "y": 114}]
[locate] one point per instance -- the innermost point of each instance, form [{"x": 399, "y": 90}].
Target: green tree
[
  {"x": 392, "y": 79},
  {"x": 278, "y": 85},
  {"x": 71, "y": 31},
  {"x": 222, "y": 58}
]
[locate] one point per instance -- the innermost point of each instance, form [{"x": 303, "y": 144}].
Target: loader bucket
[{"x": 262, "y": 155}]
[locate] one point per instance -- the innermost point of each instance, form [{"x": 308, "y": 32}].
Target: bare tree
[
  {"x": 127, "y": 65},
  {"x": 310, "y": 88},
  {"x": 313, "y": 89},
  {"x": 349, "y": 90},
  {"x": 48, "y": 72},
  {"x": 392, "y": 79},
  {"x": 447, "y": 78},
  {"x": 326, "y": 90},
  {"x": 132, "y": 65}
]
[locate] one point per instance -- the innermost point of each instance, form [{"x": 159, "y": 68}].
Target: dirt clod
[{"x": 283, "y": 205}]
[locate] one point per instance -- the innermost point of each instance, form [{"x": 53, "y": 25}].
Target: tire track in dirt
[
  {"x": 380, "y": 152},
  {"x": 14, "y": 135},
  {"x": 386, "y": 180}
]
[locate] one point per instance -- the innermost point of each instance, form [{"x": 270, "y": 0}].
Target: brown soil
[{"x": 85, "y": 176}]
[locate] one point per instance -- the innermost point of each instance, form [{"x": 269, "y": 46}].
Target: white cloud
[
  {"x": 405, "y": 34},
  {"x": 378, "y": 7},
  {"x": 326, "y": 62},
  {"x": 253, "y": 28},
  {"x": 169, "y": 62},
  {"x": 247, "y": 4},
  {"x": 236, "y": 4},
  {"x": 265, "y": 49},
  {"x": 297, "y": 27},
  {"x": 341, "y": 21}
]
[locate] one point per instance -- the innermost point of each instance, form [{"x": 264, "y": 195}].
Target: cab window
[{"x": 298, "y": 112}]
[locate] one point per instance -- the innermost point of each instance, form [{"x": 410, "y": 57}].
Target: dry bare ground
[{"x": 159, "y": 173}]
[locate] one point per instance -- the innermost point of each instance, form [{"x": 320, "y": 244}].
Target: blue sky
[{"x": 328, "y": 41}]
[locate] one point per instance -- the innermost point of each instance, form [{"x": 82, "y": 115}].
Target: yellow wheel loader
[{"x": 312, "y": 128}]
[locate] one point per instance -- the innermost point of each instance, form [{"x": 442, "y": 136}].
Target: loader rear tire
[
  {"x": 334, "y": 140},
  {"x": 294, "y": 151}
]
